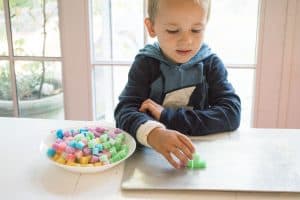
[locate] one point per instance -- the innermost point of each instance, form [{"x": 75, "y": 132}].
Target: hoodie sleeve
[
  {"x": 140, "y": 77},
  {"x": 222, "y": 114}
]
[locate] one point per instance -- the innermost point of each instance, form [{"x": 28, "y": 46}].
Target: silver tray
[{"x": 251, "y": 161}]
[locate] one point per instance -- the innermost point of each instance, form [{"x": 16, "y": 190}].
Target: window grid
[
  {"x": 117, "y": 63},
  {"x": 113, "y": 61},
  {"x": 11, "y": 58}
]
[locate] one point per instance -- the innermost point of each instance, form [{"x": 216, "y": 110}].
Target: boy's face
[{"x": 179, "y": 26}]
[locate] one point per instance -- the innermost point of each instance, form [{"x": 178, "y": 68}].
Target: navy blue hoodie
[{"x": 197, "y": 97}]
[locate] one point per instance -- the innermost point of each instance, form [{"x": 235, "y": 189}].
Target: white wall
[{"x": 278, "y": 69}]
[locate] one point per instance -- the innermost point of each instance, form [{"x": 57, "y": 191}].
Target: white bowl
[{"x": 51, "y": 137}]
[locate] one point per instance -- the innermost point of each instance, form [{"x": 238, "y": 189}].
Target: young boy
[{"x": 177, "y": 87}]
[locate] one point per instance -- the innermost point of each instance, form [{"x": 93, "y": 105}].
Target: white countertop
[{"x": 25, "y": 174}]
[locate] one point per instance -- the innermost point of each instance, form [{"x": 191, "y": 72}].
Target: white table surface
[{"x": 25, "y": 174}]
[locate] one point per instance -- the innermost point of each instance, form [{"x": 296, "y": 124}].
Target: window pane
[
  {"x": 100, "y": 30},
  {"x": 35, "y": 29},
  {"x": 231, "y": 30},
  {"x": 127, "y": 28},
  {"x": 243, "y": 82},
  {"x": 3, "y": 38},
  {"x": 6, "y": 103},
  {"x": 112, "y": 80},
  {"x": 126, "y": 38},
  {"x": 120, "y": 78},
  {"x": 104, "y": 92},
  {"x": 36, "y": 101}
]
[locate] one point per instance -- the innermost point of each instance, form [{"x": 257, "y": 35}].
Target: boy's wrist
[
  {"x": 153, "y": 134},
  {"x": 144, "y": 130}
]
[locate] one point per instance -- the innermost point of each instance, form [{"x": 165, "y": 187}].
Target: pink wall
[
  {"x": 76, "y": 60},
  {"x": 293, "y": 110},
  {"x": 278, "y": 70}
]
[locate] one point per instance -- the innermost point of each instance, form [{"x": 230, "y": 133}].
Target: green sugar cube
[{"x": 196, "y": 162}]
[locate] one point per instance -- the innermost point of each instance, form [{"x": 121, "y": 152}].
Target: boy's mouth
[{"x": 183, "y": 52}]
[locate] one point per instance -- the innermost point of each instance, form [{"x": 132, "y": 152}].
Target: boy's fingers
[
  {"x": 168, "y": 156},
  {"x": 149, "y": 101},
  {"x": 187, "y": 142},
  {"x": 144, "y": 107},
  {"x": 180, "y": 156},
  {"x": 185, "y": 150}
]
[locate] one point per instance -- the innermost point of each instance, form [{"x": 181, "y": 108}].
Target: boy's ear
[{"x": 150, "y": 27}]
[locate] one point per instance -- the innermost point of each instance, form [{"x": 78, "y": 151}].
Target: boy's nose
[{"x": 185, "y": 38}]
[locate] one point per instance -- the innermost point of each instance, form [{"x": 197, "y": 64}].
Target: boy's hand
[
  {"x": 169, "y": 142},
  {"x": 153, "y": 108}
]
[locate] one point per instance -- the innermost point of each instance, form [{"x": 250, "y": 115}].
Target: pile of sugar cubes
[{"x": 88, "y": 146}]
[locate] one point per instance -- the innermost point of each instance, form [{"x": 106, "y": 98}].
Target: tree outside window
[{"x": 34, "y": 56}]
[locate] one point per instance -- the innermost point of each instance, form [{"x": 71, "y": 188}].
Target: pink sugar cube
[
  {"x": 94, "y": 159},
  {"x": 62, "y": 146},
  {"x": 70, "y": 157},
  {"x": 86, "y": 151},
  {"x": 75, "y": 133},
  {"x": 107, "y": 153},
  {"x": 67, "y": 139},
  {"x": 96, "y": 134},
  {"x": 112, "y": 135},
  {"x": 78, "y": 154},
  {"x": 100, "y": 129},
  {"x": 70, "y": 150},
  {"x": 84, "y": 140},
  {"x": 55, "y": 146},
  {"x": 117, "y": 131},
  {"x": 67, "y": 133}
]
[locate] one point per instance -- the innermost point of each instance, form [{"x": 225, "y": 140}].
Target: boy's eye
[
  {"x": 197, "y": 30},
  {"x": 172, "y": 31}
]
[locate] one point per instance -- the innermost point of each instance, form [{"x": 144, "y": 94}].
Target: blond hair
[{"x": 153, "y": 7}]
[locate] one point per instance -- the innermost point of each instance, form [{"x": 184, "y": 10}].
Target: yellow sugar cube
[
  {"x": 56, "y": 156},
  {"x": 61, "y": 160},
  {"x": 98, "y": 164},
  {"x": 84, "y": 159}
]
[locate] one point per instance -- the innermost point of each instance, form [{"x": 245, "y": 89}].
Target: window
[
  {"x": 30, "y": 59},
  {"x": 114, "y": 46},
  {"x": 231, "y": 33}
]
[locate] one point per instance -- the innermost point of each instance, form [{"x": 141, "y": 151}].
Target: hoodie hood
[
  {"x": 154, "y": 51},
  {"x": 176, "y": 79}
]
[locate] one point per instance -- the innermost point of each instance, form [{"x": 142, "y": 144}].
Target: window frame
[{"x": 11, "y": 58}]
